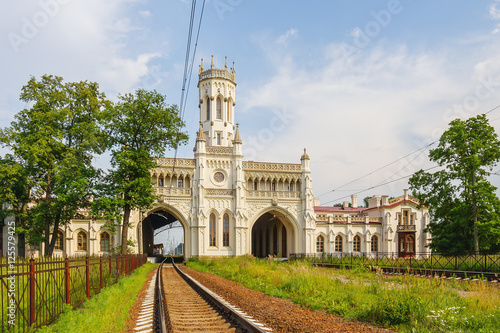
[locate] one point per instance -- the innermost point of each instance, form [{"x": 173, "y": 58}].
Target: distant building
[{"x": 231, "y": 206}]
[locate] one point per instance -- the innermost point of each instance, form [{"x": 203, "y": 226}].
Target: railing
[
  {"x": 419, "y": 260},
  {"x": 265, "y": 166},
  {"x": 406, "y": 227},
  {"x": 273, "y": 194},
  {"x": 220, "y": 150},
  {"x": 223, "y": 73},
  {"x": 34, "y": 291},
  {"x": 174, "y": 191}
]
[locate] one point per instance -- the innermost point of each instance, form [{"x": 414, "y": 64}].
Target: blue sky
[{"x": 359, "y": 84}]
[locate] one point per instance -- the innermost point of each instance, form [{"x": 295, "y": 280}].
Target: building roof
[{"x": 329, "y": 209}]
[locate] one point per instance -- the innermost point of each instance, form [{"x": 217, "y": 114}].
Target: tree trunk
[
  {"x": 126, "y": 218},
  {"x": 474, "y": 214}
]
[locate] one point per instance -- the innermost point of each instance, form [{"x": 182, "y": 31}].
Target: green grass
[
  {"x": 50, "y": 287},
  {"x": 107, "y": 311},
  {"x": 408, "y": 304},
  {"x": 480, "y": 263}
]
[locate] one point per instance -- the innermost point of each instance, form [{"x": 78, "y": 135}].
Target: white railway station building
[{"x": 229, "y": 206}]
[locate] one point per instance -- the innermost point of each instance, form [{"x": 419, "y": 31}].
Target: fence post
[
  {"x": 87, "y": 275},
  {"x": 117, "y": 267},
  {"x": 66, "y": 273},
  {"x": 485, "y": 262},
  {"x": 100, "y": 273},
  {"x": 456, "y": 262},
  {"x": 32, "y": 291},
  {"x": 110, "y": 272}
]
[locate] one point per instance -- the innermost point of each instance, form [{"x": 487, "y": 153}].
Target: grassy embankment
[
  {"x": 107, "y": 311},
  {"x": 405, "y": 303}
]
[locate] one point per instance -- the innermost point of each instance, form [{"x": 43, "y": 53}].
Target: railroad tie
[{"x": 144, "y": 322}]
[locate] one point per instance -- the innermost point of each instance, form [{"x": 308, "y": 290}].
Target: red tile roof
[{"x": 329, "y": 209}]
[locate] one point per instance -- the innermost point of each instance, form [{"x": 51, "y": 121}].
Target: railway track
[{"x": 184, "y": 305}]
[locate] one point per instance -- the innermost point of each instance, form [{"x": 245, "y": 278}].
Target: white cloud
[
  {"x": 355, "y": 115},
  {"x": 283, "y": 39},
  {"x": 145, "y": 13},
  {"x": 80, "y": 40}
]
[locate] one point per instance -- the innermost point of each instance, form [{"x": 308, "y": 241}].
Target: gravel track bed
[{"x": 279, "y": 314}]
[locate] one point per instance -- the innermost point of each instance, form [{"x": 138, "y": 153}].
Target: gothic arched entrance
[
  {"x": 272, "y": 234},
  {"x": 163, "y": 230}
]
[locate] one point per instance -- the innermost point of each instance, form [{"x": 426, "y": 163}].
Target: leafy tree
[
  {"x": 140, "y": 126},
  {"x": 462, "y": 203},
  {"x": 53, "y": 143}
]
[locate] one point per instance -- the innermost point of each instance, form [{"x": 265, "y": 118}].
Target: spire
[
  {"x": 200, "y": 136},
  {"x": 237, "y": 138},
  {"x": 233, "y": 67},
  {"x": 225, "y": 66},
  {"x": 201, "y": 66},
  {"x": 212, "y": 66},
  {"x": 305, "y": 156}
]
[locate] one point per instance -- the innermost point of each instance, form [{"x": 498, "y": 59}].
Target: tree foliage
[
  {"x": 140, "y": 126},
  {"x": 464, "y": 209},
  {"x": 52, "y": 144}
]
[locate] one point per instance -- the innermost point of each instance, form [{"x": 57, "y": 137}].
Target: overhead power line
[{"x": 422, "y": 149}]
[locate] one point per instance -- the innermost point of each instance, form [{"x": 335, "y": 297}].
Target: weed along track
[{"x": 190, "y": 307}]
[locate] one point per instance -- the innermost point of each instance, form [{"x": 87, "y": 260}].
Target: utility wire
[
  {"x": 383, "y": 167},
  {"x": 372, "y": 187},
  {"x": 422, "y": 149}
]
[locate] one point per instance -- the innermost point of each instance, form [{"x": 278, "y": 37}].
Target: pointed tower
[{"x": 217, "y": 100}]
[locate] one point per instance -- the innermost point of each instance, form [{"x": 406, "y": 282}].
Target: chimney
[
  {"x": 406, "y": 193},
  {"x": 316, "y": 202},
  {"x": 346, "y": 204},
  {"x": 354, "y": 201},
  {"x": 385, "y": 200},
  {"x": 374, "y": 201}
]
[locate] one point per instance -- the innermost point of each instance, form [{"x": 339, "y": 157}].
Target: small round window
[{"x": 219, "y": 177}]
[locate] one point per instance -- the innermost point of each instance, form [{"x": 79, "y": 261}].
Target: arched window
[
  {"x": 338, "y": 244},
  {"x": 208, "y": 108},
  {"x": 356, "y": 244},
  {"x": 180, "y": 183},
  {"x": 81, "y": 241},
  {"x": 225, "y": 230},
  {"x": 160, "y": 182},
  {"x": 228, "y": 110},
  {"x": 104, "y": 241},
  {"x": 255, "y": 186},
  {"x": 218, "y": 109},
  {"x": 212, "y": 230},
  {"x": 374, "y": 246},
  {"x": 320, "y": 243},
  {"x": 59, "y": 241}
]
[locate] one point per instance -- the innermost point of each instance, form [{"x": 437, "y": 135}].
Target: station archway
[
  {"x": 273, "y": 234},
  {"x": 157, "y": 221}
]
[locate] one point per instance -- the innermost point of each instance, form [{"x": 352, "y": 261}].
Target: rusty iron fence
[
  {"x": 35, "y": 291},
  {"x": 482, "y": 263}
]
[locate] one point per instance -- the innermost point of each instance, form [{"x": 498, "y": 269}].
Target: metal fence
[
  {"x": 35, "y": 291},
  {"x": 488, "y": 263}
]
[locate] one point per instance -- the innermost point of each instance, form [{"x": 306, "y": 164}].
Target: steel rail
[
  {"x": 239, "y": 320},
  {"x": 159, "y": 324}
]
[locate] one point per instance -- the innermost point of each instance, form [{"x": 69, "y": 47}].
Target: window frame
[
  {"x": 225, "y": 230},
  {"x": 81, "y": 246},
  {"x": 218, "y": 109},
  {"x": 374, "y": 243},
  {"x": 320, "y": 244},
  {"x": 59, "y": 245},
  {"x": 212, "y": 234},
  {"x": 101, "y": 238},
  {"x": 356, "y": 244},
  {"x": 339, "y": 244}
]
